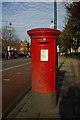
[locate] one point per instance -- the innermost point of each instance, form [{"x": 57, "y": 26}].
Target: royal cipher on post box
[{"x": 43, "y": 55}]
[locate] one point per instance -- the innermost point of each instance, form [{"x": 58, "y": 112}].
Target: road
[
  {"x": 16, "y": 80},
  {"x": 15, "y": 62}
]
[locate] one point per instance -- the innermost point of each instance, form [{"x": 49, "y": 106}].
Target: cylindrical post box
[{"x": 43, "y": 53}]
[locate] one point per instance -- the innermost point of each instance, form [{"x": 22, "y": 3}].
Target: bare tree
[{"x": 9, "y": 38}]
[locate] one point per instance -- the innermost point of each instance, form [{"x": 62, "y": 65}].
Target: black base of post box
[{"x": 43, "y": 102}]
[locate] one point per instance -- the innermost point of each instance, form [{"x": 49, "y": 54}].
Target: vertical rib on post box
[{"x": 43, "y": 50}]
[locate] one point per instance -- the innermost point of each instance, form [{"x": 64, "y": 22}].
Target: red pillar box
[{"x": 43, "y": 50}]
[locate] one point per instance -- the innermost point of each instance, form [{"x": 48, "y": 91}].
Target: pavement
[{"x": 68, "y": 95}]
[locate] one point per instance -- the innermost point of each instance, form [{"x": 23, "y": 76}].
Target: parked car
[{"x": 28, "y": 56}]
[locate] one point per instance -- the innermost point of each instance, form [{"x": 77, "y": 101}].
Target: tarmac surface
[
  {"x": 68, "y": 95},
  {"x": 15, "y": 81}
]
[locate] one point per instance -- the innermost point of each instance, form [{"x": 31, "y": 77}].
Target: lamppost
[
  {"x": 9, "y": 28},
  {"x": 54, "y": 25},
  {"x": 55, "y": 14}
]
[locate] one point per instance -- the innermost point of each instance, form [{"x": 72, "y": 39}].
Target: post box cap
[{"x": 43, "y": 31}]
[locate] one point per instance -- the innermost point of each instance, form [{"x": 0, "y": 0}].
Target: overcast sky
[{"x": 28, "y": 15}]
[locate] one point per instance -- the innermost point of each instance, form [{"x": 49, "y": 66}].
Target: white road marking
[
  {"x": 15, "y": 66},
  {"x": 6, "y": 79},
  {"x": 19, "y": 73},
  {"x": 28, "y": 69}
]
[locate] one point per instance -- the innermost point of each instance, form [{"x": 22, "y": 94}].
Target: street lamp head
[
  {"x": 9, "y": 27},
  {"x": 51, "y": 21},
  {"x": 10, "y": 23}
]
